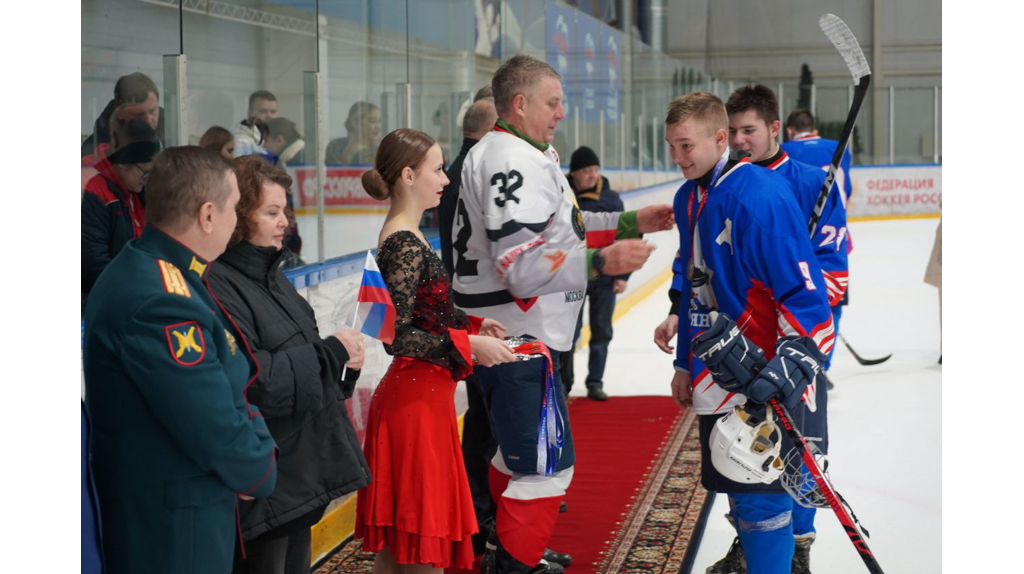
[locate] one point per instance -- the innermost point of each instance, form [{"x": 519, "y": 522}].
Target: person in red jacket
[{"x": 113, "y": 202}]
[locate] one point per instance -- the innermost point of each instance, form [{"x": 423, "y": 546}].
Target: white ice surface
[{"x": 885, "y": 420}]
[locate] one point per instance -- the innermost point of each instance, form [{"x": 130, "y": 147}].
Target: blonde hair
[{"x": 704, "y": 107}]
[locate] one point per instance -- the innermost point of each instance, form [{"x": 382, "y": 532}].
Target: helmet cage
[{"x": 798, "y": 481}]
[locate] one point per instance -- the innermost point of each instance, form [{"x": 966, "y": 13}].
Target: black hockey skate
[
  {"x": 733, "y": 563},
  {"x": 557, "y": 557},
  {"x": 802, "y": 554},
  {"x": 496, "y": 560}
]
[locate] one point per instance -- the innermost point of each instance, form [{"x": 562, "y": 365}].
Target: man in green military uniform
[{"x": 175, "y": 441}]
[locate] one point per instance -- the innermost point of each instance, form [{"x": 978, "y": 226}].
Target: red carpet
[
  {"x": 622, "y": 517},
  {"x": 616, "y": 443}
]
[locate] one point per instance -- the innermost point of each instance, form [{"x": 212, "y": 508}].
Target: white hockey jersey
[{"x": 520, "y": 241}]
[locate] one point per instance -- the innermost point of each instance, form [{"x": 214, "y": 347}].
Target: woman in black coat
[{"x": 298, "y": 386}]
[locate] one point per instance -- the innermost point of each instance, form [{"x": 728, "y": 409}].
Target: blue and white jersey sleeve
[
  {"x": 830, "y": 242},
  {"x": 778, "y": 255}
]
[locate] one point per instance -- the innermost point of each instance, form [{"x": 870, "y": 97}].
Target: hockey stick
[
  {"x": 844, "y": 41},
  {"x": 862, "y": 360},
  {"x": 834, "y": 499}
]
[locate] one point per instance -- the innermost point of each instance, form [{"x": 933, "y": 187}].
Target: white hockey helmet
[{"x": 746, "y": 447}]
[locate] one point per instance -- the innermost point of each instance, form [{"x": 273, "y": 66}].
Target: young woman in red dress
[{"x": 417, "y": 513}]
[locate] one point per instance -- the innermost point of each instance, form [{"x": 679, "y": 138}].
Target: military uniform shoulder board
[
  {"x": 174, "y": 282},
  {"x": 186, "y": 343}
]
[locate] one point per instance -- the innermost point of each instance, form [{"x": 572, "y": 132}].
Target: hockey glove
[
  {"x": 732, "y": 358},
  {"x": 798, "y": 363}
]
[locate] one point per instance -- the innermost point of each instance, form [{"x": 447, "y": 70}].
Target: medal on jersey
[{"x": 551, "y": 427}]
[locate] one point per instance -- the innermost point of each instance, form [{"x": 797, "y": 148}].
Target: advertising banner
[
  {"x": 896, "y": 190},
  {"x": 342, "y": 188},
  {"x": 591, "y": 73},
  {"x": 560, "y": 26},
  {"x": 611, "y": 61}
]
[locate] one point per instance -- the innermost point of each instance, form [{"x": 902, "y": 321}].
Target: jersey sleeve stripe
[
  {"x": 599, "y": 239},
  {"x": 512, "y": 227},
  {"x": 824, "y": 335},
  {"x": 788, "y": 325}
]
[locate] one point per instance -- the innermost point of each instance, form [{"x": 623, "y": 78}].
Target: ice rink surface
[{"x": 885, "y": 420}]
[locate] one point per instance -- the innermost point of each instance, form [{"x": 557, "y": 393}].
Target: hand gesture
[
  {"x": 353, "y": 342},
  {"x": 625, "y": 256},
  {"x": 682, "y": 392},
  {"x": 655, "y": 218},
  {"x": 492, "y": 328},
  {"x": 666, "y": 333},
  {"x": 619, "y": 286},
  {"x": 489, "y": 351}
]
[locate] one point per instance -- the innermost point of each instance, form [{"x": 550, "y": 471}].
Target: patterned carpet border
[
  {"x": 657, "y": 533},
  {"x": 667, "y": 513},
  {"x": 348, "y": 558}
]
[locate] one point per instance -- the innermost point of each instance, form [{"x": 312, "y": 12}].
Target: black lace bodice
[{"x": 422, "y": 295}]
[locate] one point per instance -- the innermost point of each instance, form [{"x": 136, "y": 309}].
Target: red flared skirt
[{"x": 418, "y": 503}]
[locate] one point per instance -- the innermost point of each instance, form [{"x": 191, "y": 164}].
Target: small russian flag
[{"x": 376, "y": 311}]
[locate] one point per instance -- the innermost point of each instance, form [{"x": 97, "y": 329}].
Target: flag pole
[{"x": 355, "y": 312}]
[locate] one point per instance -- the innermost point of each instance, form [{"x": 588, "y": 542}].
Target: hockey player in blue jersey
[
  {"x": 805, "y": 145},
  {"x": 754, "y": 128},
  {"x": 745, "y": 255}
]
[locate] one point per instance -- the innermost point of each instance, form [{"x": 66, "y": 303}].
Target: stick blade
[{"x": 844, "y": 41}]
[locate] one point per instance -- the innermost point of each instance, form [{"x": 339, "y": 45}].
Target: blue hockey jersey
[
  {"x": 818, "y": 151},
  {"x": 829, "y": 243},
  {"x": 764, "y": 273}
]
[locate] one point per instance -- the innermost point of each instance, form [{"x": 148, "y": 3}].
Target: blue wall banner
[
  {"x": 611, "y": 60},
  {"x": 560, "y": 24},
  {"x": 591, "y": 71}
]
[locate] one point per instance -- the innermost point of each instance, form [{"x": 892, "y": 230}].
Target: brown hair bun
[{"x": 375, "y": 186}]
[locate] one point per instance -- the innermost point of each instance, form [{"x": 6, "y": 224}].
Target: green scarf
[{"x": 506, "y": 126}]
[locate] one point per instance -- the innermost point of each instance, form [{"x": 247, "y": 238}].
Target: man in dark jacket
[
  {"x": 175, "y": 441},
  {"x": 298, "y": 387},
  {"x": 478, "y": 445},
  {"x": 113, "y": 202},
  {"x": 478, "y": 121},
  {"x": 594, "y": 193}
]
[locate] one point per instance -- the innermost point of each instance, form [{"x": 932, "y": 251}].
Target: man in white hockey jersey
[{"x": 523, "y": 255}]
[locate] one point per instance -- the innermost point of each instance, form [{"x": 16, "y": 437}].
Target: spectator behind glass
[
  {"x": 284, "y": 142},
  {"x": 113, "y": 203},
  {"x": 143, "y": 98},
  {"x": 251, "y": 131},
  {"x": 219, "y": 140},
  {"x": 360, "y": 147},
  {"x": 298, "y": 388}
]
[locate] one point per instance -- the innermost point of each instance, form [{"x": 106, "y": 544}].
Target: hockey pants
[
  {"x": 765, "y": 526},
  {"x": 527, "y": 508}
]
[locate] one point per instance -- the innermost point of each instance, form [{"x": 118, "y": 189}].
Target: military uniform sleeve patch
[
  {"x": 174, "y": 282},
  {"x": 186, "y": 343}
]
